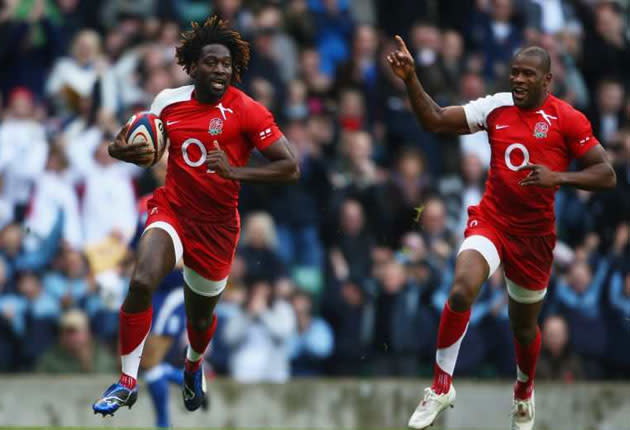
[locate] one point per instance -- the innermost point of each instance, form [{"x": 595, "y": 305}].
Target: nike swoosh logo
[
  {"x": 499, "y": 127},
  {"x": 171, "y": 122}
]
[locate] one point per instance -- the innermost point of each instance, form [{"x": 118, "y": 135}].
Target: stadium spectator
[
  {"x": 606, "y": 49},
  {"x": 362, "y": 70},
  {"x": 53, "y": 192},
  {"x": 22, "y": 252},
  {"x": 258, "y": 249},
  {"x": 495, "y": 326},
  {"x": 398, "y": 199},
  {"x": 439, "y": 238},
  {"x": 578, "y": 299},
  {"x": 496, "y": 33},
  {"x": 557, "y": 359},
  {"x": 348, "y": 309},
  {"x": 356, "y": 173},
  {"x": 618, "y": 353},
  {"x": 313, "y": 342},
  {"x": 75, "y": 77},
  {"x": 400, "y": 324},
  {"x": 39, "y": 311},
  {"x": 333, "y": 28},
  {"x": 607, "y": 115},
  {"x": 259, "y": 336},
  {"x": 461, "y": 191},
  {"x": 67, "y": 212},
  {"x": 23, "y": 152},
  {"x": 574, "y": 215},
  {"x": 471, "y": 87},
  {"x": 299, "y": 242},
  {"x": 76, "y": 351},
  {"x": 108, "y": 208},
  {"x": 30, "y": 40},
  {"x": 350, "y": 255}
]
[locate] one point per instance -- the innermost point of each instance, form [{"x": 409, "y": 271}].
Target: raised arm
[
  {"x": 282, "y": 166},
  {"x": 433, "y": 117}
]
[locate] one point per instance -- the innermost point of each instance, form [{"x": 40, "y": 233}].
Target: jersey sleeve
[
  {"x": 477, "y": 111},
  {"x": 259, "y": 126},
  {"x": 159, "y": 103},
  {"x": 170, "y": 96},
  {"x": 578, "y": 133}
]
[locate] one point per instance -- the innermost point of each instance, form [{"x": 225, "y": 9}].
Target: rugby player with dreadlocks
[{"x": 212, "y": 127}]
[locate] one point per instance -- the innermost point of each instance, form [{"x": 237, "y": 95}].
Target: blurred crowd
[{"x": 344, "y": 273}]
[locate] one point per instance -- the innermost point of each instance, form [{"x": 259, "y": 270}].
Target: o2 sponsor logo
[
  {"x": 520, "y": 148},
  {"x": 202, "y": 151}
]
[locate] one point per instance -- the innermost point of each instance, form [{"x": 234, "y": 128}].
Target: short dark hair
[
  {"x": 214, "y": 30},
  {"x": 537, "y": 51}
]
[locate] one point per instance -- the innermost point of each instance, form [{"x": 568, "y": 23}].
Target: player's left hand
[
  {"x": 539, "y": 176},
  {"x": 218, "y": 162}
]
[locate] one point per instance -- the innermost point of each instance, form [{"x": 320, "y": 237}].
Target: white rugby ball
[{"x": 145, "y": 127}]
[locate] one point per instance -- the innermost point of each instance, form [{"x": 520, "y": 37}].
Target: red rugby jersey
[
  {"x": 237, "y": 123},
  {"x": 551, "y": 134}
]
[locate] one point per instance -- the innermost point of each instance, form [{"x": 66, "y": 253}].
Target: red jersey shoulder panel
[
  {"x": 258, "y": 124},
  {"x": 576, "y": 129}
]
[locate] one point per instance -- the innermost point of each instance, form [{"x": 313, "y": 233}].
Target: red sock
[
  {"x": 133, "y": 330},
  {"x": 127, "y": 381},
  {"x": 526, "y": 359},
  {"x": 198, "y": 340},
  {"x": 452, "y": 330}
]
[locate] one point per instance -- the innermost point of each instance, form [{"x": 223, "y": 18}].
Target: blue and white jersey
[{"x": 169, "y": 314}]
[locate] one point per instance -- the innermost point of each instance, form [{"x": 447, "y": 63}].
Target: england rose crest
[
  {"x": 216, "y": 126},
  {"x": 540, "y": 130}
]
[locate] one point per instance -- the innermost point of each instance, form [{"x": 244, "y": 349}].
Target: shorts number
[{"x": 513, "y": 147}]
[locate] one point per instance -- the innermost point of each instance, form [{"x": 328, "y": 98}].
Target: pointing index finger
[{"x": 401, "y": 43}]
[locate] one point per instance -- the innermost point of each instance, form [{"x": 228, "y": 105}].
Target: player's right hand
[
  {"x": 401, "y": 61},
  {"x": 137, "y": 153}
]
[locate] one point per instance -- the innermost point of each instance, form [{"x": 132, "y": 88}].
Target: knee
[
  {"x": 143, "y": 282},
  {"x": 462, "y": 295}
]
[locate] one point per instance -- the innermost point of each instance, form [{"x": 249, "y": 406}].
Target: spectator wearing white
[
  {"x": 23, "y": 152},
  {"x": 109, "y": 206},
  {"x": 259, "y": 336},
  {"x": 461, "y": 191},
  {"x": 471, "y": 88},
  {"x": 75, "y": 76},
  {"x": 54, "y": 192},
  {"x": 553, "y": 15}
]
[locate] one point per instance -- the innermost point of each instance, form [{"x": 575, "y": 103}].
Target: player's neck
[
  {"x": 207, "y": 98},
  {"x": 539, "y": 103}
]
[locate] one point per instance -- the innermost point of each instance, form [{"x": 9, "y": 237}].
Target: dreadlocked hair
[{"x": 214, "y": 30}]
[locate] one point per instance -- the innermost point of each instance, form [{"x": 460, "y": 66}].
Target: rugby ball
[{"x": 145, "y": 127}]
